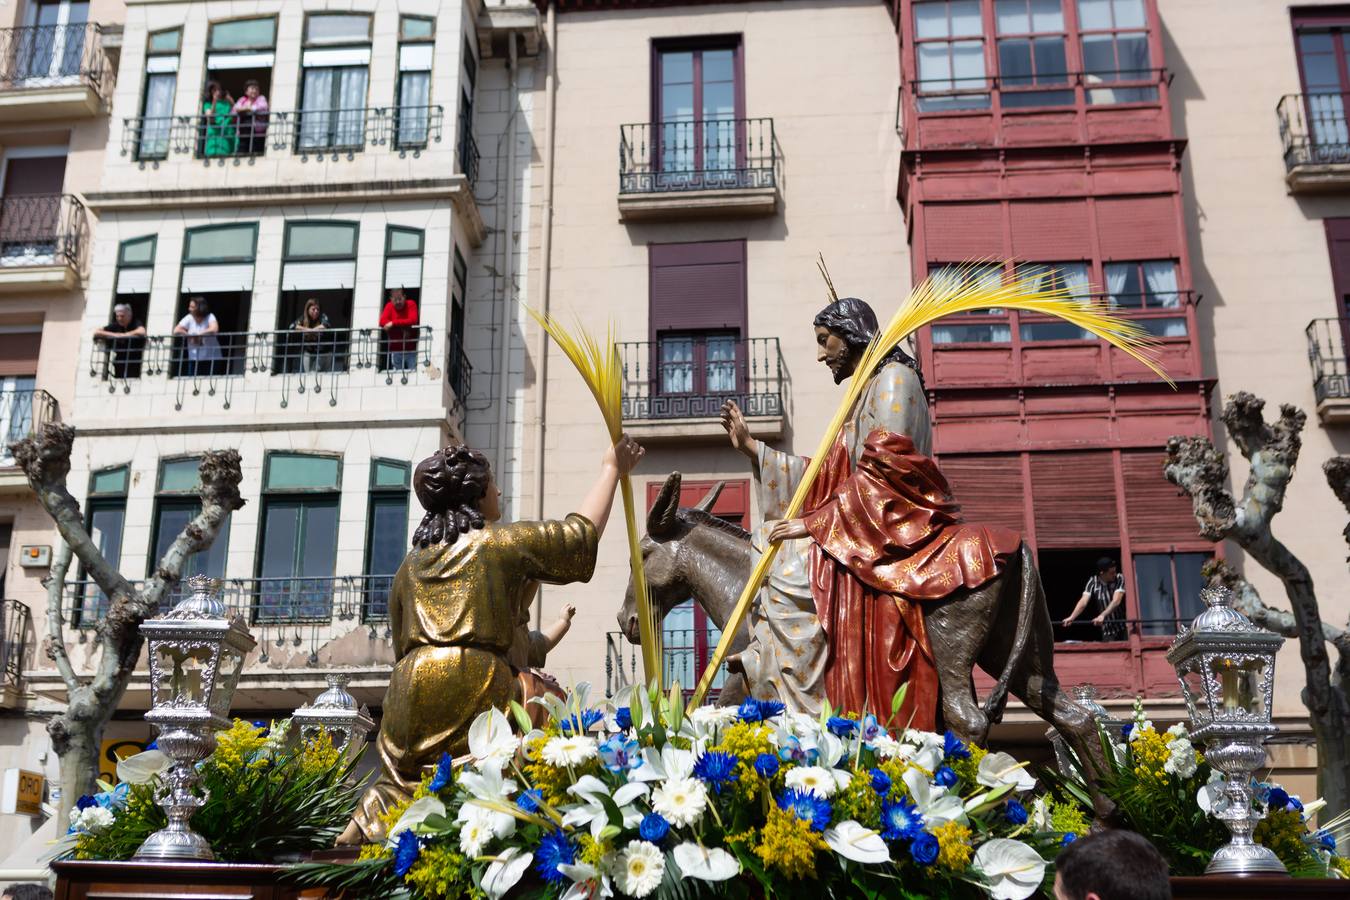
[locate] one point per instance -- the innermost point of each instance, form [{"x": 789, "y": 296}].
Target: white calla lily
[
  {"x": 143, "y": 767},
  {"x": 491, "y": 740},
  {"x": 1010, "y": 869},
  {"x": 933, "y": 802},
  {"x": 1000, "y": 768},
  {"x": 706, "y": 863},
  {"x": 852, "y": 841},
  {"x": 415, "y": 815},
  {"x": 505, "y": 871},
  {"x": 1211, "y": 798}
]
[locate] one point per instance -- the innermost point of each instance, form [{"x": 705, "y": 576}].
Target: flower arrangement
[
  {"x": 1165, "y": 790},
  {"x": 639, "y": 797},
  {"x": 307, "y": 792}
]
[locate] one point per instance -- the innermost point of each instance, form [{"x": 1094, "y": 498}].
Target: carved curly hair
[{"x": 449, "y": 483}]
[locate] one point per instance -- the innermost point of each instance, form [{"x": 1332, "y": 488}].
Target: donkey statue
[{"x": 1003, "y": 626}]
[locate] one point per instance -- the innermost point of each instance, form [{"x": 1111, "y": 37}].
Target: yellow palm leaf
[{"x": 965, "y": 289}]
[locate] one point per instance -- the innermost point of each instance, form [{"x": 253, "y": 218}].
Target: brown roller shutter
[
  {"x": 1075, "y": 500},
  {"x": 697, "y": 287},
  {"x": 19, "y": 352},
  {"x": 1051, "y": 230},
  {"x": 1131, "y": 228},
  {"x": 954, "y": 232},
  {"x": 989, "y": 489},
  {"x": 1157, "y": 511}
]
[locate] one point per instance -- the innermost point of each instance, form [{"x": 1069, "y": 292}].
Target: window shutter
[
  {"x": 218, "y": 61},
  {"x": 1075, "y": 500},
  {"x": 403, "y": 271},
  {"x": 989, "y": 489},
  {"x": 207, "y": 279},
  {"x": 19, "y": 352},
  {"x": 133, "y": 281},
  {"x": 1050, "y": 230},
  {"x": 1138, "y": 228},
  {"x": 697, "y": 287},
  {"x": 958, "y": 231},
  {"x": 319, "y": 276},
  {"x": 1157, "y": 511}
]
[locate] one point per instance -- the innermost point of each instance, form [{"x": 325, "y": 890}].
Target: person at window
[
  {"x": 199, "y": 329},
  {"x": 218, "y": 121},
  {"x": 454, "y": 607},
  {"x": 250, "y": 113},
  {"x": 125, "y": 339},
  {"x": 316, "y": 349},
  {"x": 399, "y": 323},
  {"x": 1106, "y": 592}
]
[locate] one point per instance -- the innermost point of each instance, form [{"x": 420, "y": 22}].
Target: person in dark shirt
[
  {"x": 316, "y": 348},
  {"x": 125, "y": 337},
  {"x": 1106, "y": 592}
]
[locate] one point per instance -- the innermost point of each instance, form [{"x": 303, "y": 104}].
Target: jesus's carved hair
[{"x": 856, "y": 324}]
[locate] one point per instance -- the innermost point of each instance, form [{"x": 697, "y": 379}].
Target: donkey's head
[{"x": 667, "y": 580}]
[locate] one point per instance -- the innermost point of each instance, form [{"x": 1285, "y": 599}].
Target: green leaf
[
  {"x": 609, "y": 831},
  {"x": 611, "y": 808}
]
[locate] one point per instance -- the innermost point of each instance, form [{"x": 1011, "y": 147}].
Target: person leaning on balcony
[
  {"x": 125, "y": 337},
  {"x": 218, "y": 121},
  {"x": 199, "y": 328},
  {"x": 250, "y": 112},
  {"x": 454, "y": 606},
  {"x": 316, "y": 350},
  {"x": 398, "y": 320},
  {"x": 1106, "y": 592}
]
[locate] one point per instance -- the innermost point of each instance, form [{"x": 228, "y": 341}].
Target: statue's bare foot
[{"x": 352, "y": 836}]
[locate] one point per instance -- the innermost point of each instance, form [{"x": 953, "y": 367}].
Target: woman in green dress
[{"x": 218, "y": 121}]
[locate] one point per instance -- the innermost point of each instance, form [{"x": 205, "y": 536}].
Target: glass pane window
[
  {"x": 1169, "y": 590},
  {"x": 385, "y": 473},
  {"x": 337, "y": 29},
  {"x": 947, "y": 63},
  {"x": 333, "y": 104},
  {"x": 296, "y": 471},
  {"x": 137, "y": 251},
  {"x": 720, "y": 365},
  {"x": 386, "y": 539},
  {"x": 179, "y": 476},
  {"x": 698, "y": 102},
  {"x": 109, "y": 481},
  {"x": 232, "y": 242},
  {"x": 299, "y": 553},
  {"x": 1031, "y": 52},
  {"x": 171, "y": 517},
  {"x": 404, "y": 241},
  {"x": 414, "y": 109},
  {"x": 164, "y": 41},
  {"x": 953, "y": 330},
  {"x": 243, "y": 34},
  {"x": 1324, "y": 57},
  {"x": 1071, "y": 277},
  {"x": 1148, "y": 284},
  {"x": 416, "y": 28},
  {"x": 1115, "y": 49},
  {"x": 320, "y": 239},
  {"x": 677, "y": 365},
  {"x": 157, "y": 110}
]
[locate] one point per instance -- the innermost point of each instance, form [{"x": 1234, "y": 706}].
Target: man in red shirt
[{"x": 399, "y": 323}]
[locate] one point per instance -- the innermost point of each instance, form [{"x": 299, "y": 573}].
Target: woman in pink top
[{"x": 250, "y": 111}]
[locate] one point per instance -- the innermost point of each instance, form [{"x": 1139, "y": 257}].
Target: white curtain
[
  {"x": 1161, "y": 281},
  {"x": 351, "y": 103},
  {"x": 1116, "y": 276},
  {"x": 677, "y": 366},
  {"x": 414, "y": 95},
  {"x": 721, "y": 365},
  {"x": 1326, "y": 116},
  {"x": 159, "y": 90},
  {"x": 315, "y": 112}
]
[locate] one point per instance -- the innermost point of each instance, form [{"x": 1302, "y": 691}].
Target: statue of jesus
[{"x": 880, "y": 534}]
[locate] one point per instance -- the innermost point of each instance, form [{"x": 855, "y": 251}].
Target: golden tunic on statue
[{"x": 454, "y": 610}]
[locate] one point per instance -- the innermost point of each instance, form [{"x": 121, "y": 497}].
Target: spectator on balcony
[
  {"x": 125, "y": 339},
  {"x": 399, "y": 323},
  {"x": 250, "y": 113},
  {"x": 199, "y": 328},
  {"x": 218, "y": 124},
  {"x": 316, "y": 348},
  {"x": 1106, "y": 592}
]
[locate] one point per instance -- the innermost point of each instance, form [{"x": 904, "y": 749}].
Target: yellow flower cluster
[
  {"x": 1148, "y": 752},
  {"x": 746, "y": 741},
  {"x": 859, "y": 802},
  {"x": 591, "y": 851},
  {"x": 967, "y": 769},
  {"x": 954, "y": 843},
  {"x": 441, "y": 871},
  {"x": 318, "y": 754},
  {"x": 1067, "y": 817},
  {"x": 1282, "y": 831},
  {"x": 895, "y": 768},
  {"x": 555, "y": 780},
  {"x": 391, "y": 815},
  {"x": 1342, "y": 865},
  {"x": 373, "y": 851},
  {"x": 788, "y": 844},
  {"x": 239, "y": 746}
]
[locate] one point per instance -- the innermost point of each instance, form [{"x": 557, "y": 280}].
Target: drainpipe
[
  {"x": 545, "y": 271},
  {"x": 508, "y": 294}
]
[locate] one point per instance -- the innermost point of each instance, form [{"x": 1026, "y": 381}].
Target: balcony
[
  {"x": 721, "y": 167},
  {"x": 673, "y": 389},
  {"x": 44, "y": 242},
  {"x": 15, "y": 621},
  {"x": 1327, "y": 342},
  {"x": 21, "y": 413},
  {"x": 318, "y": 134},
  {"x": 52, "y": 72},
  {"x": 686, "y": 653},
  {"x": 1316, "y": 142},
  {"x": 459, "y": 375}
]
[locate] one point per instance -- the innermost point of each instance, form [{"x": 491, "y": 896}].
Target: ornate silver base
[
  {"x": 170, "y": 843},
  {"x": 1249, "y": 859}
]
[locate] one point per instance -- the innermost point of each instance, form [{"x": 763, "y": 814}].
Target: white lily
[
  {"x": 588, "y": 882},
  {"x": 491, "y": 740},
  {"x": 852, "y": 841},
  {"x": 592, "y": 812},
  {"x": 1000, "y": 768},
  {"x": 927, "y": 752},
  {"x": 1040, "y": 814},
  {"x": 706, "y": 863},
  {"x": 1011, "y": 869},
  {"x": 143, "y": 767},
  {"x": 488, "y": 823},
  {"x": 489, "y": 784},
  {"x": 933, "y": 802},
  {"x": 505, "y": 871},
  {"x": 415, "y": 814},
  {"x": 671, "y": 762}
]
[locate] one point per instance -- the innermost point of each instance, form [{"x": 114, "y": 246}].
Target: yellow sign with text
[{"x": 22, "y": 792}]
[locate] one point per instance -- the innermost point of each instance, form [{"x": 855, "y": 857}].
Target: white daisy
[
  {"x": 715, "y": 716},
  {"x": 886, "y": 747},
  {"x": 569, "y": 751},
  {"x": 680, "y": 800},
  {"x": 474, "y": 835},
  {"x": 813, "y": 779},
  {"x": 640, "y": 869}
]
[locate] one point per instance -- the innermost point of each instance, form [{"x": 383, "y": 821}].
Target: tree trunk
[{"x": 77, "y": 745}]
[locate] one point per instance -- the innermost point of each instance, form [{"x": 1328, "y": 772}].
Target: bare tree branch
[
  {"x": 1248, "y": 601},
  {"x": 55, "y": 644}
]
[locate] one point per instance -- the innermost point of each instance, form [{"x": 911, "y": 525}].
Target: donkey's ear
[
  {"x": 706, "y": 504},
  {"x": 661, "y": 520}
]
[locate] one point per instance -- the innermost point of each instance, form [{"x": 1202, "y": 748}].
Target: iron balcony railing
[
  {"x": 700, "y": 155},
  {"x": 306, "y": 133},
  {"x": 14, "y": 624},
  {"x": 691, "y": 376},
  {"x": 1327, "y": 343},
  {"x": 685, "y": 654},
  {"x": 467, "y": 151},
  {"x": 43, "y": 230},
  {"x": 983, "y": 92},
  {"x": 1313, "y": 129},
  {"x": 45, "y": 56},
  {"x": 22, "y": 413}
]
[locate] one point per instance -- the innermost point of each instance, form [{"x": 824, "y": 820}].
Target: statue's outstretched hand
[
  {"x": 787, "y": 529},
  {"x": 739, "y": 433}
]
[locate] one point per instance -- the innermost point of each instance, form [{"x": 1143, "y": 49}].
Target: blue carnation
[
  {"x": 1068, "y": 839},
  {"x": 953, "y": 747},
  {"x": 406, "y": 852},
  {"x": 1278, "y": 798},
  {"x": 529, "y": 800},
  {"x": 445, "y": 773},
  {"x": 86, "y": 801},
  {"x": 259, "y": 723},
  {"x": 716, "y": 768},
  {"x": 1326, "y": 839},
  {"x": 654, "y": 828},
  {"x": 623, "y": 717},
  {"x": 881, "y": 782},
  {"x": 769, "y": 708},
  {"x": 924, "y": 848},
  {"x": 748, "y": 711},
  {"x": 583, "y": 724},
  {"x": 1295, "y": 804},
  {"x": 900, "y": 820},
  {"x": 554, "y": 850},
  {"x": 1015, "y": 812},
  {"x": 1125, "y": 731},
  {"x": 841, "y": 727},
  {"x": 766, "y": 764},
  {"x": 944, "y": 776},
  {"x": 807, "y": 807}
]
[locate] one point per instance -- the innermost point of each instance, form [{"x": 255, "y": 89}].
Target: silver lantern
[
  {"x": 1085, "y": 695},
  {"x": 196, "y": 654},
  {"x": 1226, "y": 665},
  {"x": 336, "y": 712}
]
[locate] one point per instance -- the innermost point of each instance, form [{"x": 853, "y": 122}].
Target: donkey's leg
[{"x": 957, "y": 629}]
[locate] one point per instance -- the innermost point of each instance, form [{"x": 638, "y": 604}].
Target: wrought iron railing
[
  {"x": 701, "y": 155},
  {"x": 1328, "y": 340},
  {"x": 691, "y": 376},
  {"x": 14, "y": 622},
  {"x": 982, "y": 92},
  {"x": 44, "y": 56},
  {"x": 22, "y": 413},
  {"x": 685, "y": 653},
  {"x": 1314, "y": 129},
  {"x": 43, "y": 230},
  {"x": 306, "y": 133},
  {"x": 1083, "y": 633},
  {"x": 467, "y": 151}
]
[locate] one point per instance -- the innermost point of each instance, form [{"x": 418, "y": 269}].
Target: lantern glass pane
[
  {"x": 227, "y": 675},
  {"x": 183, "y": 675},
  {"x": 1193, "y": 686}
]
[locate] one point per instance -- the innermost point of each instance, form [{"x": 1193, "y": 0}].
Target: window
[
  {"x": 33, "y": 228},
  {"x": 336, "y": 69},
  {"x": 239, "y": 53},
  {"x": 949, "y": 37},
  {"x": 1071, "y": 277},
  {"x": 161, "y": 83},
  {"x": 1144, "y": 286},
  {"x": 466, "y": 148},
  {"x": 51, "y": 50},
  {"x": 1114, "y": 36},
  {"x": 242, "y": 34},
  {"x": 105, "y": 513},
  {"x": 1323, "y": 45},
  {"x": 403, "y": 260},
  {"x": 298, "y": 541},
  {"x": 386, "y": 534},
  {"x": 981, "y": 327},
  {"x": 415, "y": 52},
  {"x": 177, "y": 502},
  {"x": 319, "y": 264},
  {"x": 698, "y": 324},
  {"x": 217, "y": 268},
  {"x": 121, "y": 358},
  {"x": 698, "y": 103},
  {"x": 1031, "y": 41},
  {"x": 16, "y": 405},
  {"x": 1169, "y": 590}
]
